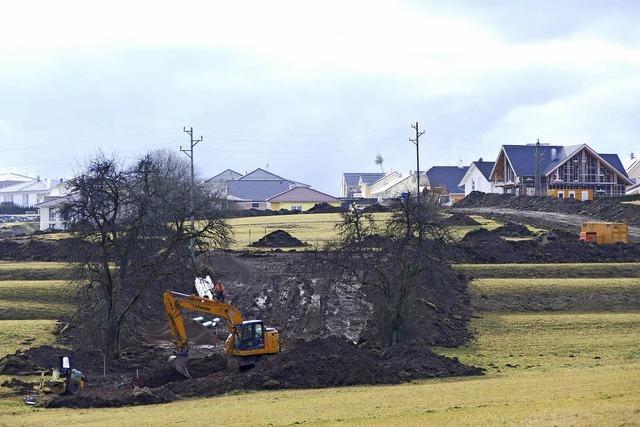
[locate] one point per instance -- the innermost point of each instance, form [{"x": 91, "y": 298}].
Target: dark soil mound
[
  {"x": 324, "y": 207},
  {"x": 376, "y": 207},
  {"x": 322, "y": 362},
  {"x": 604, "y": 208},
  {"x": 278, "y": 239},
  {"x": 460, "y": 219},
  {"x": 480, "y": 235},
  {"x": 512, "y": 229}
]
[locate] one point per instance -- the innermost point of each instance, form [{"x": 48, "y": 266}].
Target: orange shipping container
[{"x": 604, "y": 232}]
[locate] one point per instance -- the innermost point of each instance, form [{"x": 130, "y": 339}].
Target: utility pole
[
  {"x": 416, "y": 141},
  {"x": 189, "y": 153},
  {"x": 538, "y": 183}
]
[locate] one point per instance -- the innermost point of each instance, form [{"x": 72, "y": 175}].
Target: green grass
[
  {"x": 511, "y": 343},
  {"x": 40, "y": 299},
  {"x": 21, "y": 334},
  {"x": 33, "y": 270},
  {"x": 315, "y": 229},
  {"x": 565, "y": 270},
  {"x": 557, "y": 285}
]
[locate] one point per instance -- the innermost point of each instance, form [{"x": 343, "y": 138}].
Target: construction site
[{"x": 284, "y": 325}]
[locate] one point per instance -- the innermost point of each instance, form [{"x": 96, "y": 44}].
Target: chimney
[
  {"x": 480, "y": 160},
  {"x": 633, "y": 156},
  {"x": 554, "y": 155},
  {"x": 460, "y": 165},
  {"x": 38, "y": 178}
]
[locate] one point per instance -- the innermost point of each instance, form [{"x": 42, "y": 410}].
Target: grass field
[
  {"x": 549, "y": 368},
  {"x": 566, "y": 270}
]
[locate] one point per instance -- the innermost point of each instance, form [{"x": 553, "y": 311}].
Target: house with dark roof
[
  {"x": 351, "y": 185},
  {"x": 632, "y": 166},
  {"x": 477, "y": 178},
  {"x": 300, "y": 199},
  {"x": 446, "y": 180},
  {"x": 261, "y": 189},
  {"x": 575, "y": 171}
]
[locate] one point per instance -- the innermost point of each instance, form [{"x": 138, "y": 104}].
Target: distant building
[
  {"x": 25, "y": 193},
  {"x": 300, "y": 199},
  {"x": 477, "y": 178},
  {"x": 50, "y": 205},
  {"x": 352, "y": 183},
  {"x": 575, "y": 171},
  {"x": 447, "y": 180},
  {"x": 261, "y": 189},
  {"x": 632, "y": 167}
]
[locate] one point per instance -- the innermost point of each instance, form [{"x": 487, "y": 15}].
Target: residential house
[
  {"x": 477, "y": 178},
  {"x": 261, "y": 189},
  {"x": 446, "y": 180},
  {"x": 387, "y": 180},
  {"x": 575, "y": 171},
  {"x": 396, "y": 188},
  {"x": 300, "y": 199},
  {"x": 632, "y": 166},
  {"x": 218, "y": 182},
  {"x": 50, "y": 205},
  {"x": 26, "y": 193},
  {"x": 351, "y": 185}
]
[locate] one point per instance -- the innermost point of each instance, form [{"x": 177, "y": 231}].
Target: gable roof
[
  {"x": 353, "y": 178},
  {"x": 260, "y": 174},
  {"x": 256, "y": 190},
  {"x": 447, "y": 177},
  {"x": 485, "y": 168},
  {"x": 27, "y": 186},
  {"x": 229, "y": 173},
  {"x": 303, "y": 194},
  {"x": 523, "y": 158},
  {"x": 9, "y": 176}
]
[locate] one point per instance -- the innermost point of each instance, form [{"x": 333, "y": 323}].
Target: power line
[
  {"x": 189, "y": 154},
  {"x": 416, "y": 141}
]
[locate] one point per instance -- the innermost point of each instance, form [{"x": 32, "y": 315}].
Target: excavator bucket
[{"x": 180, "y": 365}]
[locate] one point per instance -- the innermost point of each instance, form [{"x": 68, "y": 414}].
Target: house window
[
  {"x": 8, "y": 198},
  {"x": 52, "y": 214},
  {"x": 473, "y": 185},
  {"x": 25, "y": 200},
  {"x": 296, "y": 208},
  {"x": 560, "y": 194},
  {"x": 572, "y": 194},
  {"x": 255, "y": 205}
]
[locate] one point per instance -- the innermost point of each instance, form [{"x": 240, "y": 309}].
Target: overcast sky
[{"x": 313, "y": 89}]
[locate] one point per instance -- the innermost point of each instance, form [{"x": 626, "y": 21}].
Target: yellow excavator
[{"x": 248, "y": 340}]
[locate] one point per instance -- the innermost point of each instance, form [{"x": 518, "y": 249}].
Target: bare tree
[
  {"x": 379, "y": 161},
  {"x": 396, "y": 261},
  {"x": 132, "y": 227}
]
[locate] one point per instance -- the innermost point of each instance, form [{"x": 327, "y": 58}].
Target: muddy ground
[{"x": 605, "y": 208}]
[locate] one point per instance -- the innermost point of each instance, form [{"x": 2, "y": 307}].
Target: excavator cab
[{"x": 249, "y": 335}]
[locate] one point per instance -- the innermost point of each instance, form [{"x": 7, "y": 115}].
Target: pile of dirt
[
  {"x": 324, "y": 207},
  {"x": 322, "y": 362},
  {"x": 458, "y": 218},
  {"x": 512, "y": 229},
  {"x": 604, "y": 208},
  {"x": 376, "y": 207},
  {"x": 480, "y": 235},
  {"x": 278, "y": 239}
]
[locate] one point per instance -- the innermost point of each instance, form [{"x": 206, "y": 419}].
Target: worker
[{"x": 218, "y": 288}]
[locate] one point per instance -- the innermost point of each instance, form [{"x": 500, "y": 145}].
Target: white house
[
  {"x": 25, "y": 194},
  {"x": 632, "y": 166},
  {"x": 49, "y": 207},
  {"x": 373, "y": 189},
  {"x": 477, "y": 178}
]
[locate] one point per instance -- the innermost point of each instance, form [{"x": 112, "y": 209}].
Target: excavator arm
[
  {"x": 175, "y": 302},
  {"x": 246, "y": 339}
]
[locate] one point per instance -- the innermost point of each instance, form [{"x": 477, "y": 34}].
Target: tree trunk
[{"x": 111, "y": 345}]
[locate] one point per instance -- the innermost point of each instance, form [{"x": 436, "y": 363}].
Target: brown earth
[
  {"x": 605, "y": 208},
  {"x": 278, "y": 239},
  {"x": 322, "y": 362},
  {"x": 457, "y": 219}
]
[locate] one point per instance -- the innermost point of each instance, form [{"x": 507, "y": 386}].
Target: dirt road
[{"x": 542, "y": 219}]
